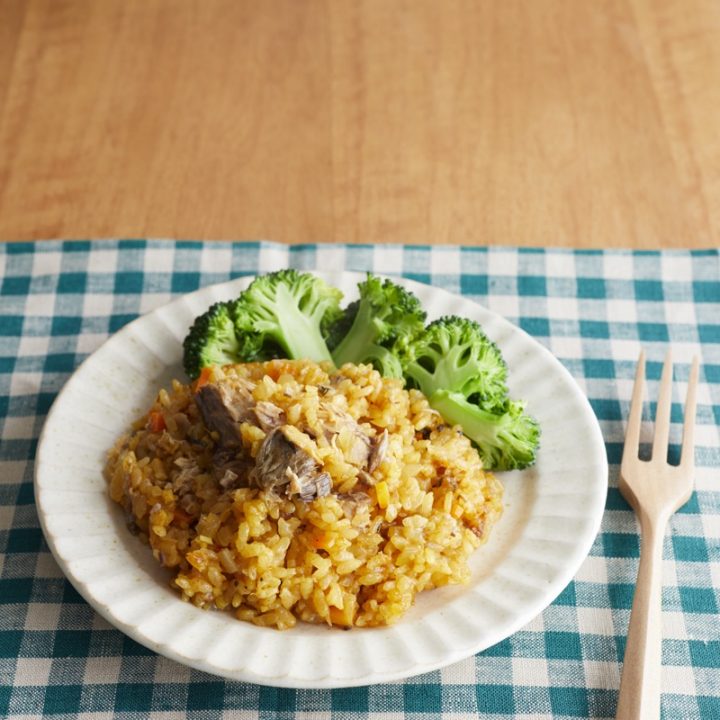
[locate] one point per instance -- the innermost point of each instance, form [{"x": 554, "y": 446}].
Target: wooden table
[{"x": 589, "y": 123}]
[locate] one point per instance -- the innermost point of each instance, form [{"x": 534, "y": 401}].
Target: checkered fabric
[{"x": 593, "y": 310}]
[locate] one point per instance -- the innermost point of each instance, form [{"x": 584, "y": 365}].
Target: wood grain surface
[{"x": 529, "y": 122}]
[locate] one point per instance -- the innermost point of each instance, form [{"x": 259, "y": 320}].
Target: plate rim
[{"x": 543, "y": 600}]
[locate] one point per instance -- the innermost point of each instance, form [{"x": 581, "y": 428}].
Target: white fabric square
[
  {"x": 676, "y": 267},
  {"x": 537, "y": 624},
  {"x": 33, "y": 345},
  {"x": 602, "y": 674},
  {"x": 711, "y": 526},
  {"x": 673, "y": 625},
  {"x": 272, "y": 257},
  {"x": 24, "y": 383},
  {"x": 502, "y": 262},
  {"x": 530, "y": 671},
  {"x": 46, "y": 567},
  {"x": 98, "y": 305},
  {"x": 40, "y": 305},
  {"x": 331, "y": 258},
  {"x": 42, "y": 616},
  {"x": 7, "y": 512},
  {"x": 47, "y": 263},
  {"x": 215, "y": 259},
  {"x": 680, "y": 313},
  {"x": 618, "y": 266},
  {"x": 620, "y": 311},
  {"x": 706, "y": 479},
  {"x": 715, "y": 573},
  {"x": 562, "y": 308},
  {"x": 388, "y": 260},
  {"x": 567, "y": 348},
  {"x": 625, "y": 349},
  {"x": 595, "y": 621},
  {"x": 678, "y": 679},
  {"x": 594, "y": 569},
  {"x": 17, "y": 428},
  {"x": 104, "y": 259},
  {"x": 32, "y": 672},
  {"x": 160, "y": 259},
  {"x": 446, "y": 261},
  {"x": 561, "y": 265},
  {"x": 103, "y": 670}
]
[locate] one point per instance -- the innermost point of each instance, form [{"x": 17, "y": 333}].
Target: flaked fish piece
[
  {"x": 276, "y": 456},
  {"x": 378, "y": 451},
  {"x": 182, "y": 483},
  {"x": 269, "y": 415},
  {"x": 228, "y": 480},
  {"x": 309, "y": 487},
  {"x": 366, "y": 477},
  {"x": 187, "y": 465},
  {"x": 353, "y": 502},
  {"x": 355, "y": 441}
]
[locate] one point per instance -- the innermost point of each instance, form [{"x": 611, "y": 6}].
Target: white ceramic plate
[{"x": 552, "y": 514}]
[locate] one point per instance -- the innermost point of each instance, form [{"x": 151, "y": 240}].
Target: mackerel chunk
[
  {"x": 223, "y": 409},
  {"x": 282, "y": 466}
]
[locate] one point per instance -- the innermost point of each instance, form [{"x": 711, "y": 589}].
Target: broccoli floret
[
  {"x": 463, "y": 375},
  {"x": 290, "y": 309},
  {"x": 212, "y": 340},
  {"x": 506, "y": 436},
  {"x": 384, "y": 321},
  {"x": 454, "y": 354}
]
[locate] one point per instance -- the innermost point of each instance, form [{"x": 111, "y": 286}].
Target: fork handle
[{"x": 639, "y": 697}]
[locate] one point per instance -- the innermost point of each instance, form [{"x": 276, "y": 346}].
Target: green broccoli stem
[
  {"x": 478, "y": 424},
  {"x": 359, "y": 338},
  {"x": 301, "y": 337},
  {"x": 383, "y": 360}
]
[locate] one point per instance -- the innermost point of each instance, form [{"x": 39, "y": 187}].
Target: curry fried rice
[{"x": 288, "y": 491}]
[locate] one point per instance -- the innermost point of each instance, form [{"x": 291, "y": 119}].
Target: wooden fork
[{"x": 655, "y": 490}]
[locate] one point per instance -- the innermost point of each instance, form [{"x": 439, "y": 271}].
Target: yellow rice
[{"x": 273, "y": 560}]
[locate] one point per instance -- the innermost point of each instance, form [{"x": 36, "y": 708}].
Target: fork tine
[
  {"x": 632, "y": 434},
  {"x": 687, "y": 459},
  {"x": 662, "y": 414}
]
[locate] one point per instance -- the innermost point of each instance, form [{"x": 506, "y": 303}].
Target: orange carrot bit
[
  {"x": 346, "y": 616},
  {"x": 204, "y": 377},
  {"x": 181, "y": 516},
  {"x": 156, "y": 421},
  {"x": 319, "y": 539}
]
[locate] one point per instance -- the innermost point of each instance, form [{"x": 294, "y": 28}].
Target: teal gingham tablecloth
[{"x": 592, "y": 309}]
